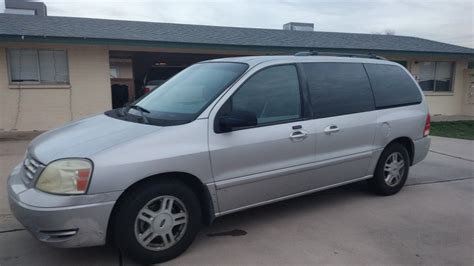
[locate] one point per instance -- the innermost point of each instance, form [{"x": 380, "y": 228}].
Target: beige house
[{"x": 57, "y": 69}]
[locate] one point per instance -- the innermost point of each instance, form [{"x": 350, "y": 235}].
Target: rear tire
[
  {"x": 157, "y": 221},
  {"x": 391, "y": 171}
]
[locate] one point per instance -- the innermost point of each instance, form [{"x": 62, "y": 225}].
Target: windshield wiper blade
[
  {"x": 141, "y": 110},
  {"x": 138, "y": 107}
]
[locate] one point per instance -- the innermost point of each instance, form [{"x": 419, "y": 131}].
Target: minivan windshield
[{"x": 182, "y": 98}]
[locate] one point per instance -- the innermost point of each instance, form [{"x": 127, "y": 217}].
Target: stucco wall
[
  {"x": 468, "y": 97},
  {"x": 45, "y": 107}
]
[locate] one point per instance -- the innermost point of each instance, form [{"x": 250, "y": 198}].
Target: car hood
[{"x": 86, "y": 137}]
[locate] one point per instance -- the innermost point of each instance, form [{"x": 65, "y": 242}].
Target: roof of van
[
  {"x": 279, "y": 59},
  {"x": 107, "y": 31}
]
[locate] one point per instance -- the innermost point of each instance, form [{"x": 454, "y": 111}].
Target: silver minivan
[{"x": 219, "y": 137}]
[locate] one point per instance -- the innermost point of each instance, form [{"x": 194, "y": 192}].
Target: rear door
[{"x": 345, "y": 120}]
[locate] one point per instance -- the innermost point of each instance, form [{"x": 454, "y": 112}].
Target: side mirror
[{"x": 237, "y": 119}]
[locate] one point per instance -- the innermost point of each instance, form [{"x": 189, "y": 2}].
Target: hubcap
[
  {"x": 394, "y": 169},
  {"x": 161, "y": 223}
]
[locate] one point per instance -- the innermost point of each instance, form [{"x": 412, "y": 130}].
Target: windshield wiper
[{"x": 139, "y": 109}]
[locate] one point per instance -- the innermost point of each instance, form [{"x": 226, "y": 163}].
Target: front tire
[
  {"x": 392, "y": 170},
  {"x": 157, "y": 221}
]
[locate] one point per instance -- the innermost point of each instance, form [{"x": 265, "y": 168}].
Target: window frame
[
  {"x": 38, "y": 68},
  {"x": 452, "y": 74},
  {"x": 306, "y": 112}
]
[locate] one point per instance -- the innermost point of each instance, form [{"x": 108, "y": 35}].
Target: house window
[
  {"x": 436, "y": 76},
  {"x": 35, "y": 66}
]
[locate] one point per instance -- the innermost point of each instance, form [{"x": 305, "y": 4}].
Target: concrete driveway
[{"x": 430, "y": 222}]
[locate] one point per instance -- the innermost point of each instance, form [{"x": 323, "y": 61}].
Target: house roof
[{"x": 86, "y": 28}]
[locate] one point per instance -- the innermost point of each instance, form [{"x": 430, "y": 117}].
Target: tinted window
[
  {"x": 273, "y": 94},
  {"x": 392, "y": 86},
  {"x": 338, "y": 88}
]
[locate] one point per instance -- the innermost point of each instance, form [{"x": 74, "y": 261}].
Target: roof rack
[{"x": 310, "y": 53}]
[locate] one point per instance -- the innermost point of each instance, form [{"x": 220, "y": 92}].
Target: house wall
[
  {"x": 468, "y": 97},
  {"x": 38, "y": 107}
]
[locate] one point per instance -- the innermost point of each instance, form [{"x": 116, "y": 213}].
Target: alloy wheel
[
  {"x": 161, "y": 223},
  {"x": 394, "y": 169}
]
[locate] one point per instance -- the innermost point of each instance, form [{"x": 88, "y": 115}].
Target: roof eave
[{"x": 223, "y": 47}]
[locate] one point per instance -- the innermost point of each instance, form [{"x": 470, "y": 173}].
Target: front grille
[{"x": 32, "y": 168}]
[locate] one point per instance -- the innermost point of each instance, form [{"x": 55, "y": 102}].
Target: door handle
[
  {"x": 331, "y": 129},
  {"x": 298, "y": 135}
]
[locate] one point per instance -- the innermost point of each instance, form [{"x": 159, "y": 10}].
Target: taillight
[
  {"x": 426, "y": 131},
  {"x": 146, "y": 90}
]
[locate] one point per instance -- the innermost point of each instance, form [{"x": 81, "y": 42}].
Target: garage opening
[{"x": 133, "y": 74}]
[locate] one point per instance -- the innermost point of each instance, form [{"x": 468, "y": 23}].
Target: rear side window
[
  {"x": 338, "y": 88},
  {"x": 392, "y": 86}
]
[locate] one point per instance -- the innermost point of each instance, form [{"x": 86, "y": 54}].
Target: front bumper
[{"x": 60, "y": 221}]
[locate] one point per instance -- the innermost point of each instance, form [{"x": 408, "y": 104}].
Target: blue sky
[{"x": 448, "y": 21}]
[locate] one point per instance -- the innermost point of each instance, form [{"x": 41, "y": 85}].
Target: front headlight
[{"x": 66, "y": 176}]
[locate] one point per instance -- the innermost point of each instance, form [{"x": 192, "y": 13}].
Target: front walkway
[{"x": 460, "y": 148}]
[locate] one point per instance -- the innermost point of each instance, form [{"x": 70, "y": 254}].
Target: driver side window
[{"x": 272, "y": 94}]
